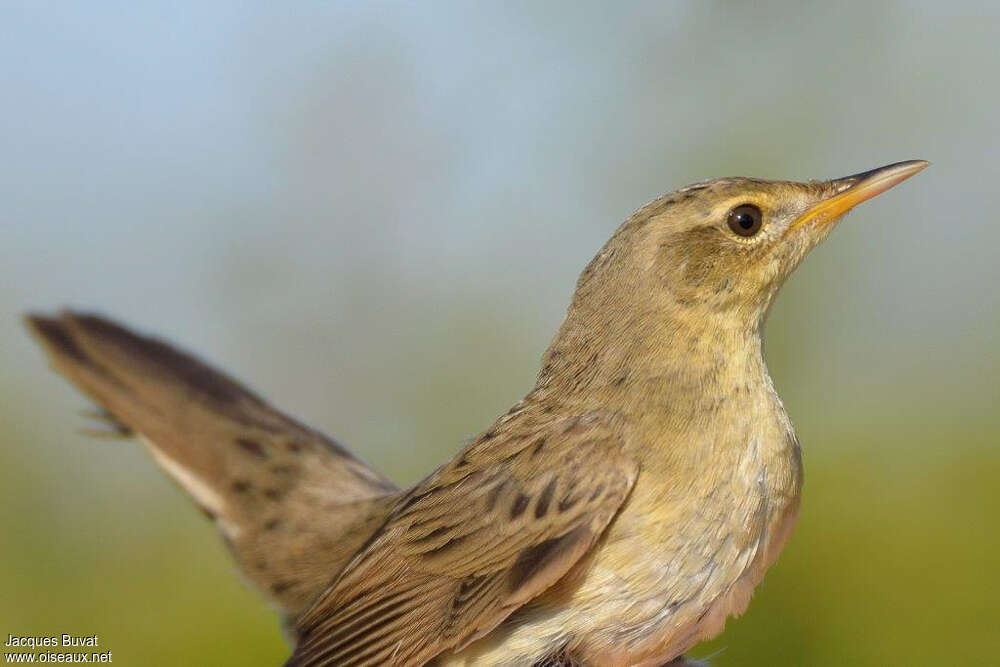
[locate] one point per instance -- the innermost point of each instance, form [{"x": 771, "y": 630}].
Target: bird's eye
[{"x": 745, "y": 220}]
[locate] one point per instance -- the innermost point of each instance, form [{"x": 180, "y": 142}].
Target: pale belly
[{"x": 667, "y": 575}]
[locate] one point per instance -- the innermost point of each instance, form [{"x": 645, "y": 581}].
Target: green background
[{"x": 375, "y": 214}]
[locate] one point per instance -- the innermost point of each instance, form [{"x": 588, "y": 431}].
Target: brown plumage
[
  {"x": 617, "y": 515},
  {"x": 290, "y": 502}
]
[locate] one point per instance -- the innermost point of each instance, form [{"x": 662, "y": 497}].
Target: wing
[
  {"x": 292, "y": 504},
  {"x": 484, "y": 535}
]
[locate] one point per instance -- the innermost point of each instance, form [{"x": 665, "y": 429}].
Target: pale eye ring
[{"x": 745, "y": 220}]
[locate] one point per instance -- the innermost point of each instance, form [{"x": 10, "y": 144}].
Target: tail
[{"x": 292, "y": 504}]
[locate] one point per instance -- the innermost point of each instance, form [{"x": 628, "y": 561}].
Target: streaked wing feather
[{"x": 479, "y": 538}]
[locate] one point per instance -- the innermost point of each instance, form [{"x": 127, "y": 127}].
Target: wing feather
[
  {"x": 292, "y": 504},
  {"x": 482, "y": 536}
]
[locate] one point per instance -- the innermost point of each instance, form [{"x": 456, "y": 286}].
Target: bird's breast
[{"x": 704, "y": 522}]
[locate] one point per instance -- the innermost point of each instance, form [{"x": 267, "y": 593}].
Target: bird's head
[
  {"x": 726, "y": 246},
  {"x": 705, "y": 262}
]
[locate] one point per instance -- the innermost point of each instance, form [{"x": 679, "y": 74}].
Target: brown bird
[{"x": 617, "y": 515}]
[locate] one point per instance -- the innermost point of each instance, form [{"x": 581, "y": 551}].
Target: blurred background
[{"x": 375, "y": 214}]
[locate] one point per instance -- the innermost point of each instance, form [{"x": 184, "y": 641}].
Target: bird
[{"x": 617, "y": 515}]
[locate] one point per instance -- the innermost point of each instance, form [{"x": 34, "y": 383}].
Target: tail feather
[{"x": 292, "y": 504}]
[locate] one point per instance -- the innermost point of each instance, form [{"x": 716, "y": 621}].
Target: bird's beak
[{"x": 850, "y": 191}]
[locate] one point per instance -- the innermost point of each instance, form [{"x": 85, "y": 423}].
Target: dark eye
[{"x": 745, "y": 220}]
